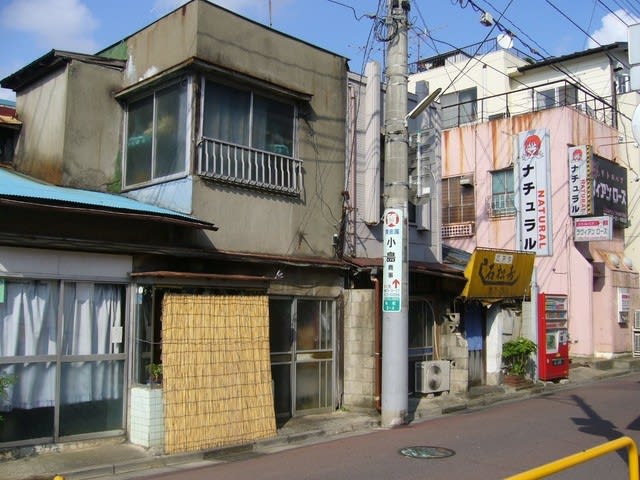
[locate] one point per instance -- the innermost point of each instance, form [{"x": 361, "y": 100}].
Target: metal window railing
[
  {"x": 501, "y": 205},
  {"x": 527, "y": 100},
  {"x": 249, "y": 167}
]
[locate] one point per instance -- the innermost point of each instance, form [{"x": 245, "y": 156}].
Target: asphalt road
[{"x": 491, "y": 443}]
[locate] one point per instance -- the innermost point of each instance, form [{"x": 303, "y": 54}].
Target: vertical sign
[
  {"x": 392, "y": 274},
  {"x": 580, "y": 184},
  {"x": 533, "y": 222}
]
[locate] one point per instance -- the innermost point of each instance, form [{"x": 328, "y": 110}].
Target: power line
[{"x": 612, "y": 12}]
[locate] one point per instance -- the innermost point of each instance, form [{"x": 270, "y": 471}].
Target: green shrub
[{"x": 516, "y": 353}]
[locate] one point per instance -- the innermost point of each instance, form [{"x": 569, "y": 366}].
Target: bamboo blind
[{"x": 216, "y": 371}]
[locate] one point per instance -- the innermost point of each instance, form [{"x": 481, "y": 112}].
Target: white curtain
[
  {"x": 27, "y": 328},
  {"x": 92, "y": 312}
]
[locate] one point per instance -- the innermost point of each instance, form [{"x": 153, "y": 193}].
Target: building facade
[
  {"x": 511, "y": 130},
  {"x": 222, "y": 121}
]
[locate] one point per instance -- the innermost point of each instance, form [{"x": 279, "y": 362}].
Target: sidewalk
[{"x": 115, "y": 459}]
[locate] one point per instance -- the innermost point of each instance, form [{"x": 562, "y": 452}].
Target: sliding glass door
[{"x": 62, "y": 350}]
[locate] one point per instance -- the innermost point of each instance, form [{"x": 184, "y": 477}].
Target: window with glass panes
[
  {"x": 502, "y": 193},
  {"x": 156, "y": 144}
]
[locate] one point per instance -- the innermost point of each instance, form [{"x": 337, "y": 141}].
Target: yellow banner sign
[{"x": 493, "y": 273}]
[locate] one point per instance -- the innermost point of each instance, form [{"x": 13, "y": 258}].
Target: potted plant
[
  {"x": 155, "y": 373},
  {"x": 5, "y": 382},
  {"x": 515, "y": 359}
]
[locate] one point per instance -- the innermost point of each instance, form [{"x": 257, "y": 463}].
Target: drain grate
[{"x": 427, "y": 452}]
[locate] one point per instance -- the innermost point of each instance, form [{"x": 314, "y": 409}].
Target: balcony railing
[
  {"x": 249, "y": 167},
  {"x": 526, "y": 100}
]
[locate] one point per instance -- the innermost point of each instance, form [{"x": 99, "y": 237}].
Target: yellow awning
[{"x": 493, "y": 274}]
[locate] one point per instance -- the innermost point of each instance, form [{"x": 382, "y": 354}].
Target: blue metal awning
[{"x": 21, "y": 188}]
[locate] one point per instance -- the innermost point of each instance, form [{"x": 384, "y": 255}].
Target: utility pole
[{"x": 395, "y": 293}]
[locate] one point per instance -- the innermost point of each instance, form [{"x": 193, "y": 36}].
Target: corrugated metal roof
[{"x": 14, "y": 185}]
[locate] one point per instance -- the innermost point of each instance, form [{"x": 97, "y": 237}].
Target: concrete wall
[
  {"x": 42, "y": 110},
  {"x": 93, "y": 133},
  {"x": 359, "y": 360},
  {"x": 255, "y": 221},
  {"x": 72, "y": 128}
]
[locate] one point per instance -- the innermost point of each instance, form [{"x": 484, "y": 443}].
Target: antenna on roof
[{"x": 270, "y": 24}]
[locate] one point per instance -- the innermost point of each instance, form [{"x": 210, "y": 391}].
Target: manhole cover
[{"x": 427, "y": 452}]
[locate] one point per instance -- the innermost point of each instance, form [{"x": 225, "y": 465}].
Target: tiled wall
[{"x": 146, "y": 417}]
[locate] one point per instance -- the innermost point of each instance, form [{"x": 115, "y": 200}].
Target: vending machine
[{"x": 553, "y": 337}]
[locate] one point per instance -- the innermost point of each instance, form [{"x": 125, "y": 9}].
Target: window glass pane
[
  {"x": 171, "y": 131},
  {"x": 326, "y": 324},
  {"x": 280, "y": 335},
  {"x": 226, "y": 113},
  {"x": 93, "y": 319},
  {"x": 498, "y": 182},
  {"x": 139, "y": 141},
  {"x": 313, "y": 385},
  {"x": 28, "y": 407},
  {"x": 468, "y": 106},
  {"x": 568, "y": 94},
  {"x": 308, "y": 332},
  {"x": 281, "y": 375},
  {"x": 272, "y": 128},
  {"x": 545, "y": 98},
  {"x": 28, "y": 318},
  {"x": 144, "y": 332},
  {"x": 91, "y": 397},
  {"x": 448, "y": 104}
]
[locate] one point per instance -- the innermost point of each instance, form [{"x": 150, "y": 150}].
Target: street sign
[{"x": 392, "y": 261}]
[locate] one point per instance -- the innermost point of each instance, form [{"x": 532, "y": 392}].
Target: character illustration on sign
[
  {"x": 532, "y": 147},
  {"x": 493, "y": 274},
  {"x": 577, "y": 155}
]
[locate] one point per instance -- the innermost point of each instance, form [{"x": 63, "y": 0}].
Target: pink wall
[{"x": 488, "y": 146}]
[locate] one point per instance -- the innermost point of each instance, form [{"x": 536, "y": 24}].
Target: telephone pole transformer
[{"x": 395, "y": 291}]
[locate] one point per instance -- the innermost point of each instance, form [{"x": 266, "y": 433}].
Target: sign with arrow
[{"x": 392, "y": 260}]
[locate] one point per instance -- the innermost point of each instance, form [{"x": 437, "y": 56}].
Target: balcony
[{"x": 235, "y": 164}]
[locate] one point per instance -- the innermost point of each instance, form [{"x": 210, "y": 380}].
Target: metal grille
[
  {"x": 457, "y": 230},
  {"x": 237, "y": 164},
  {"x": 501, "y": 205}
]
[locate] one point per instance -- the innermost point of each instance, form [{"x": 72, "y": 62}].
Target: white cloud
[
  {"x": 60, "y": 24},
  {"x": 613, "y": 29}
]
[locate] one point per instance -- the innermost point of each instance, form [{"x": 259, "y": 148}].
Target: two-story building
[{"x": 217, "y": 121}]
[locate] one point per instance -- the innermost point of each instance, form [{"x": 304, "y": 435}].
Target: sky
[{"x": 541, "y": 28}]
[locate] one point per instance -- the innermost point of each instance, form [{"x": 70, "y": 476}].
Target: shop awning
[{"x": 494, "y": 274}]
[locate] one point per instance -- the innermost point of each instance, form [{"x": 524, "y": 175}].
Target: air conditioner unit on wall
[{"x": 432, "y": 376}]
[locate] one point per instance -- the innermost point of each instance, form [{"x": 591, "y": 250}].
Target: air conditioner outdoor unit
[{"x": 432, "y": 376}]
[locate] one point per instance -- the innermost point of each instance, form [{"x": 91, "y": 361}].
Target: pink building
[{"x": 492, "y": 199}]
